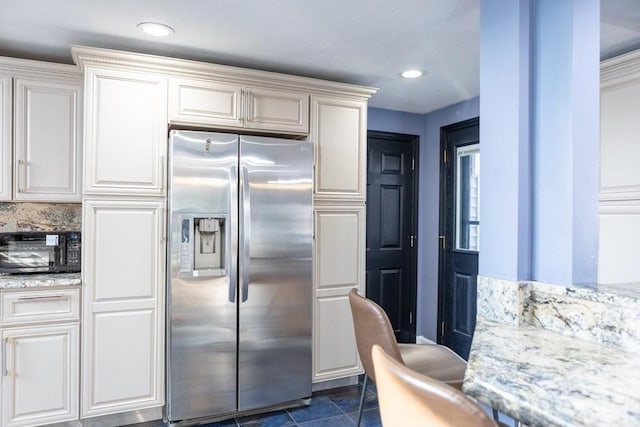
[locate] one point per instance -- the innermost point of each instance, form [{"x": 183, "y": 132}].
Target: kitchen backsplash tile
[{"x": 40, "y": 216}]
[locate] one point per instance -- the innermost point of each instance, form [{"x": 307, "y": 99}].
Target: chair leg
[
  {"x": 364, "y": 391},
  {"x": 496, "y": 416}
]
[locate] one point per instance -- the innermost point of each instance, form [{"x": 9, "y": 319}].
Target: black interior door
[
  {"x": 459, "y": 234},
  {"x": 391, "y": 228}
]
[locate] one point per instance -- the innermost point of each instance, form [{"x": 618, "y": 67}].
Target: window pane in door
[{"x": 468, "y": 197}]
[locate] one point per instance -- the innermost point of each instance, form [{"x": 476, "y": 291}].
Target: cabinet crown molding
[
  {"x": 620, "y": 70},
  {"x": 17, "y": 66},
  {"x": 83, "y": 55}
]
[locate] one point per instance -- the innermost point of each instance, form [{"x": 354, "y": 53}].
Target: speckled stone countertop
[
  {"x": 551, "y": 355},
  {"x": 547, "y": 379},
  {"x": 39, "y": 280}
]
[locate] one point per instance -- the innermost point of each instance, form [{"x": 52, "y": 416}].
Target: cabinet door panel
[
  {"x": 339, "y": 131},
  {"x": 339, "y": 267},
  {"x": 277, "y": 110},
  {"x": 124, "y": 360},
  {"x": 124, "y": 252},
  {"x": 123, "y": 276},
  {"x": 335, "y": 352},
  {"x": 125, "y": 132},
  {"x": 339, "y": 247},
  {"x": 5, "y": 137},
  {"x": 202, "y": 102},
  {"x": 47, "y": 116},
  {"x": 42, "y": 382}
]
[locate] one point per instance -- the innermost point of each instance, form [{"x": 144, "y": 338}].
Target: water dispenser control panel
[{"x": 203, "y": 242}]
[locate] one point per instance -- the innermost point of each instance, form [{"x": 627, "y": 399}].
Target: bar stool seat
[
  {"x": 435, "y": 361},
  {"x": 409, "y": 399}
]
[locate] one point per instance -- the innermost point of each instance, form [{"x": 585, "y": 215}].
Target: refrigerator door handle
[
  {"x": 233, "y": 267},
  {"x": 246, "y": 234}
]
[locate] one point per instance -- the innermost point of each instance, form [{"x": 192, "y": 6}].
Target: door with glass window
[{"x": 459, "y": 239}]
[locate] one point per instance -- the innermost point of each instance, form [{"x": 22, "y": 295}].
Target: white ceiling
[{"x": 366, "y": 42}]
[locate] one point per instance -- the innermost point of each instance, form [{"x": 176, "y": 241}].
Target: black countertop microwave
[{"x": 40, "y": 252}]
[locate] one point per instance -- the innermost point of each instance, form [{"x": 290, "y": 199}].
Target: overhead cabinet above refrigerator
[{"x": 239, "y": 273}]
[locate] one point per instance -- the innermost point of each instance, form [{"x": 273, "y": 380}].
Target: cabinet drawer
[{"x": 40, "y": 306}]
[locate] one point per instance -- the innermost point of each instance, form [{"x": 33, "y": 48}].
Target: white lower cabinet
[
  {"x": 339, "y": 266},
  {"x": 40, "y": 382},
  {"x": 40, "y": 356},
  {"x": 123, "y": 319}
]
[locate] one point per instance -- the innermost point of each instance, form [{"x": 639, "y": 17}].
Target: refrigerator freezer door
[
  {"x": 202, "y": 275},
  {"x": 275, "y": 311}
]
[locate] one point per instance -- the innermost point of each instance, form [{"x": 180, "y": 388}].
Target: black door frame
[
  {"x": 410, "y": 305},
  {"x": 444, "y": 217}
]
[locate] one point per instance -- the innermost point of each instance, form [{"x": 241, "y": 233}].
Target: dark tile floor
[{"x": 330, "y": 408}]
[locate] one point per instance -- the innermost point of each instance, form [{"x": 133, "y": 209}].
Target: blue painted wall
[{"x": 427, "y": 128}]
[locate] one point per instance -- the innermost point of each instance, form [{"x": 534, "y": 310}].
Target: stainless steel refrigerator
[{"x": 239, "y": 273}]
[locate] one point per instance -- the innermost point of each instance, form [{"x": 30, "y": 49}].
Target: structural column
[{"x": 539, "y": 133}]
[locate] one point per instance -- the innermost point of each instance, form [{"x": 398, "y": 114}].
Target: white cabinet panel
[
  {"x": 123, "y": 334},
  {"x": 618, "y": 255},
  {"x": 124, "y": 360},
  {"x": 124, "y": 254},
  {"x": 620, "y": 139},
  {"x": 205, "y": 102},
  {"x": 339, "y": 266},
  {"x": 41, "y": 386},
  {"x": 5, "y": 137},
  {"x": 125, "y": 132},
  {"x": 338, "y": 255},
  {"x": 47, "y": 147},
  {"x": 335, "y": 354},
  {"x": 339, "y": 130},
  {"x": 277, "y": 110}
]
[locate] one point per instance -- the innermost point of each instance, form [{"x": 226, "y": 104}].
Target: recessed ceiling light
[
  {"x": 155, "y": 29},
  {"x": 411, "y": 74}
]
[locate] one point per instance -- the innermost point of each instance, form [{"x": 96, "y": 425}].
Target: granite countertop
[
  {"x": 545, "y": 378},
  {"x": 557, "y": 355},
  {"x": 39, "y": 280}
]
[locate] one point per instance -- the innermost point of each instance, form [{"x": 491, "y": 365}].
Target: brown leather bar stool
[
  {"x": 372, "y": 326},
  {"x": 407, "y": 398}
]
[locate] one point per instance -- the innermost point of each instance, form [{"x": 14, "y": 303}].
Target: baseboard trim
[
  {"x": 340, "y": 382},
  {"x": 420, "y": 339}
]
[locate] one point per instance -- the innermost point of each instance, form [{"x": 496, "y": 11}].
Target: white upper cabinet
[
  {"x": 5, "y": 137},
  {"x": 276, "y": 110},
  {"x": 205, "y": 102},
  {"x": 125, "y": 132},
  {"x": 339, "y": 129},
  {"x": 47, "y": 133},
  {"x": 234, "y": 105},
  {"x": 40, "y": 131}
]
